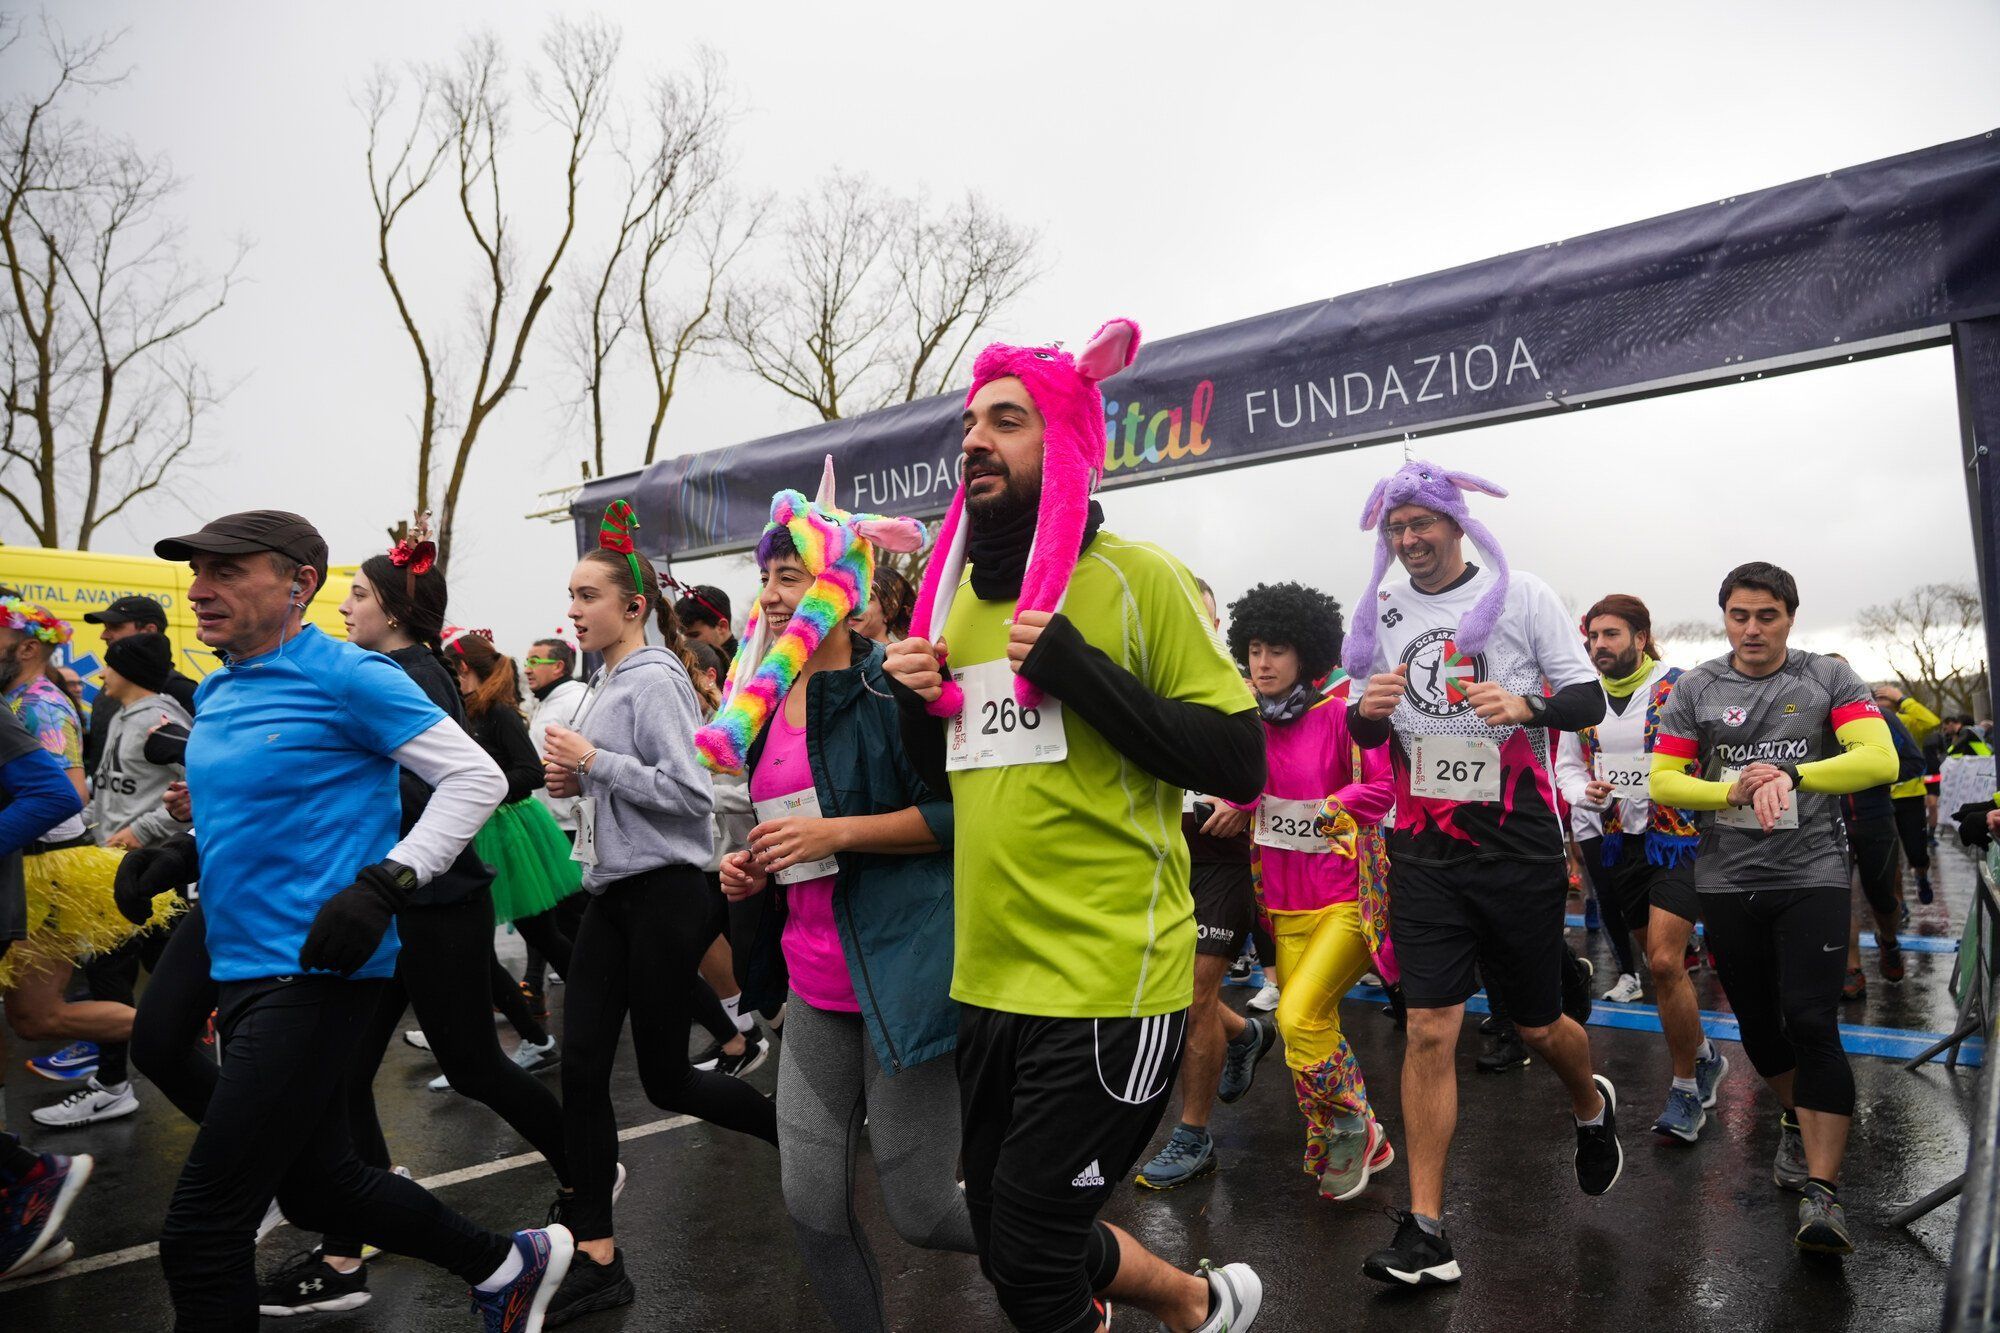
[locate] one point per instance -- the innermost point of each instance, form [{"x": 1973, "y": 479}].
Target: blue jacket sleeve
[{"x": 39, "y": 797}]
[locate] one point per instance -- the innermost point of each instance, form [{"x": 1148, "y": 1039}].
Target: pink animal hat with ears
[
  {"x": 1065, "y": 392},
  {"x": 1418, "y": 482}
]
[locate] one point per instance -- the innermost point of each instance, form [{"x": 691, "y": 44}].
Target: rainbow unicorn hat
[{"x": 838, "y": 550}]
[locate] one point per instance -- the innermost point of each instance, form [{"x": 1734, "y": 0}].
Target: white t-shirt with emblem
[{"x": 1536, "y": 640}]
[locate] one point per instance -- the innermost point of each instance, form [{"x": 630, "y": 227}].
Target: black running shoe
[
  {"x": 1599, "y": 1158},
  {"x": 308, "y": 1284},
  {"x": 753, "y": 1055},
  {"x": 589, "y": 1287},
  {"x": 708, "y": 1058},
  {"x": 1415, "y": 1258},
  {"x": 1239, "y": 1061},
  {"x": 1504, "y": 1051},
  {"x": 1577, "y": 973}
]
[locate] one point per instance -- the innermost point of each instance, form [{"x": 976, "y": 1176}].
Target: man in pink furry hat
[
  {"x": 1065, "y": 703},
  {"x": 1456, "y": 657}
]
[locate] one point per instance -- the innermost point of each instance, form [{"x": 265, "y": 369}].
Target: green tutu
[{"x": 532, "y": 871}]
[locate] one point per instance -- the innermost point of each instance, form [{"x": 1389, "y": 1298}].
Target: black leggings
[
  {"x": 1610, "y": 912},
  {"x": 563, "y": 919},
  {"x": 640, "y": 941},
  {"x": 1913, "y": 824},
  {"x": 167, "y": 1030},
  {"x": 1873, "y": 842},
  {"x": 276, "y": 1127},
  {"x": 114, "y": 976},
  {"x": 1781, "y": 955},
  {"x": 441, "y": 974}
]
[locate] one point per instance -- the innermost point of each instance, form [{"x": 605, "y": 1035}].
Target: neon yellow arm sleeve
[
  {"x": 1669, "y": 783},
  {"x": 1870, "y": 760},
  {"x": 1920, "y": 720}
]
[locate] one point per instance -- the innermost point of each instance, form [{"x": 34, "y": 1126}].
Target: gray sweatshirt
[
  {"x": 652, "y": 794},
  {"x": 125, "y": 791}
]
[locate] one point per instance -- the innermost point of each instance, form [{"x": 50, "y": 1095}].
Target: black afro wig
[{"x": 1288, "y": 613}]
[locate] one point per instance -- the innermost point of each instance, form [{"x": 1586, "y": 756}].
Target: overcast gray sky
[{"x": 1188, "y": 165}]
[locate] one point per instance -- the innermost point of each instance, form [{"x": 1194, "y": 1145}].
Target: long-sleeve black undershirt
[
  {"x": 1571, "y": 708},
  {"x": 1182, "y": 744}
]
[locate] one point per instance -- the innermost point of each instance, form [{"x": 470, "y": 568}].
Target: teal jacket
[{"x": 894, "y": 913}]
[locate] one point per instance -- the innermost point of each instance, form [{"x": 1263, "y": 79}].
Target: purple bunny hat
[{"x": 1419, "y": 482}]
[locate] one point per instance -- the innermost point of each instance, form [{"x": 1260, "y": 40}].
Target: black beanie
[{"x": 144, "y": 659}]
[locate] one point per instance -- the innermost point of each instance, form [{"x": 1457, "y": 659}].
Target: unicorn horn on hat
[{"x": 838, "y": 549}]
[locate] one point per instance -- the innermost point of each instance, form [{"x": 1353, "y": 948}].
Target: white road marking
[{"x": 97, "y": 1263}]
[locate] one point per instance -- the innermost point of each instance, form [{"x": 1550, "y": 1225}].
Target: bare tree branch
[
  {"x": 878, "y": 301},
  {"x": 1934, "y": 639},
  {"x": 103, "y": 399}
]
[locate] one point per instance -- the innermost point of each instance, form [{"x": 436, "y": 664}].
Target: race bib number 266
[{"x": 994, "y": 731}]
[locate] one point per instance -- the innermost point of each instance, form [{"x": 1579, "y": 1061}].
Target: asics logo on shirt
[{"x": 1439, "y": 673}]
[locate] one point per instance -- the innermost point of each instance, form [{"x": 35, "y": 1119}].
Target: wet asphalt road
[{"x": 1691, "y": 1238}]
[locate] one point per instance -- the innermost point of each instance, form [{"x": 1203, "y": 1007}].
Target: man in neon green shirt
[{"x": 1075, "y": 927}]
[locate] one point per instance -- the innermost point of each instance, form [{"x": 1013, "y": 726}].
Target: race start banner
[{"x": 1859, "y": 262}]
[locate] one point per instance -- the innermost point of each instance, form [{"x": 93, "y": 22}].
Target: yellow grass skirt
[{"x": 71, "y": 913}]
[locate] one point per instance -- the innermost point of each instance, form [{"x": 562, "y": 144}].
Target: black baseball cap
[
  {"x": 130, "y": 610},
  {"x": 256, "y": 530}
]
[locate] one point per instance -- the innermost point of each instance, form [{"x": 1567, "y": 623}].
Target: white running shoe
[
  {"x": 440, "y": 1084},
  {"x": 535, "y": 1058},
  {"x": 1239, "y": 1295},
  {"x": 88, "y": 1105},
  {"x": 1627, "y": 990},
  {"x": 1266, "y": 1000},
  {"x": 416, "y": 1038}
]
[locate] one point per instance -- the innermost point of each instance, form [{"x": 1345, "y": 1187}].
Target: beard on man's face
[
  {"x": 1617, "y": 668},
  {"x": 1008, "y": 503}
]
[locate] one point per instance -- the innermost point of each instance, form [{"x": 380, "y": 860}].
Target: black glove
[
  {"x": 147, "y": 872},
  {"x": 167, "y": 745},
  {"x": 1971, "y": 820},
  {"x": 350, "y": 925}
]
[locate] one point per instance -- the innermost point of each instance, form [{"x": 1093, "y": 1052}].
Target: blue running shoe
[
  {"x": 74, "y": 1061},
  {"x": 1185, "y": 1156},
  {"x": 1240, "y": 1059},
  {"x": 32, "y": 1209},
  {"x": 519, "y": 1306},
  {"x": 1708, "y": 1076},
  {"x": 1683, "y": 1117}
]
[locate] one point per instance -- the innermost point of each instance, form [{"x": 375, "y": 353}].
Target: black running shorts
[
  {"x": 1225, "y": 906},
  {"x": 1633, "y": 886},
  {"x": 1494, "y": 919}
]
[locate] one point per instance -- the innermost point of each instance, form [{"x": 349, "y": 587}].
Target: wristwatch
[
  {"x": 404, "y": 878},
  {"x": 1538, "y": 710}
]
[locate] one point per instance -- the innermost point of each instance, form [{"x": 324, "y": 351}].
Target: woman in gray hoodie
[{"x": 643, "y": 834}]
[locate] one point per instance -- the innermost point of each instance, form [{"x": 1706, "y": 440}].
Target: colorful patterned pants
[{"x": 1320, "y": 956}]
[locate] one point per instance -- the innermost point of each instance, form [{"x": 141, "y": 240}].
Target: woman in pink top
[
  {"x": 848, "y": 873},
  {"x": 1319, "y": 869}
]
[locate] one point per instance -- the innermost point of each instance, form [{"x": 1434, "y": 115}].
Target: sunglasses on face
[{"x": 542, "y": 661}]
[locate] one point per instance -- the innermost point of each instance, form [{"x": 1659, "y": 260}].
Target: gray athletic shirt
[{"x": 1726, "y": 720}]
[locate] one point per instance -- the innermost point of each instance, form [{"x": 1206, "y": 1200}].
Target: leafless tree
[
  {"x": 876, "y": 300},
  {"x": 104, "y": 396},
  {"x": 458, "y": 126},
  {"x": 678, "y": 324},
  {"x": 676, "y": 163},
  {"x": 1934, "y": 639},
  {"x": 954, "y": 273},
  {"x": 815, "y": 334}
]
